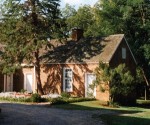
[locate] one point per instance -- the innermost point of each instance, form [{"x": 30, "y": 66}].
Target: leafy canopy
[{"x": 25, "y": 27}]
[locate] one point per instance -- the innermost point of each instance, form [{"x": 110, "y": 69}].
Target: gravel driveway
[{"x": 23, "y": 114}]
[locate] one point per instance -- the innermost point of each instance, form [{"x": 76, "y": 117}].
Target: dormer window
[{"x": 124, "y": 53}]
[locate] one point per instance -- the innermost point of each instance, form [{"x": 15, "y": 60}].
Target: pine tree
[{"x": 25, "y": 27}]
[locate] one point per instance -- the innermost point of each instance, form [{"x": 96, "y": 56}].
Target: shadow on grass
[
  {"x": 123, "y": 120},
  {"x": 112, "y": 116},
  {"x": 92, "y": 106}
]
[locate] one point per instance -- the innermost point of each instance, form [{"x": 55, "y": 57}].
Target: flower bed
[{"x": 15, "y": 95}]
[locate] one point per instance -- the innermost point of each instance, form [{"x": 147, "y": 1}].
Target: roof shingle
[{"x": 85, "y": 50}]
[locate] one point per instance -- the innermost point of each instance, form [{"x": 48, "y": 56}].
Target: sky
[{"x": 77, "y": 3}]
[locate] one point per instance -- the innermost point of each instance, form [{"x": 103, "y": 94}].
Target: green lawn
[{"x": 139, "y": 115}]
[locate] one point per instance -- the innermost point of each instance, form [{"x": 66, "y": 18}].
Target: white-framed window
[
  {"x": 67, "y": 80},
  {"x": 124, "y": 53}
]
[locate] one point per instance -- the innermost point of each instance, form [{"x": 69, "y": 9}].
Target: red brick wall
[{"x": 52, "y": 79}]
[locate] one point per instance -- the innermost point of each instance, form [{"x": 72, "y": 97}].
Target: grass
[
  {"x": 138, "y": 115},
  {"x": 127, "y": 116},
  {"x": 86, "y": 105}
]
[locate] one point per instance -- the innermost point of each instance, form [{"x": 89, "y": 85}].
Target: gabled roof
[
  {"x": 85, "y": 50},
  {"x": 111, "y": 44}
]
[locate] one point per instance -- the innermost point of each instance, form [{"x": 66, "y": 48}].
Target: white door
[
  {"x": 28, "y": 82},
  {"x": 9, "y": 83},
  {"x": 90, "y": 89}
]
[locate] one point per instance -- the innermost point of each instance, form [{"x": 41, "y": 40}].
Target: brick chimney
[{"x": 77, "y": 34}]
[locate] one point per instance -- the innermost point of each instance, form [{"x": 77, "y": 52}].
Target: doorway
[
  {"x": 28, "y": 82},
  {"x": 90, "y": 88}
]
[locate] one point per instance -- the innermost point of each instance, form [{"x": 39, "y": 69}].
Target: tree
[
  {"x": 25, "y": 28},
  {"x": 120, "y": 82},
  {"x": 67, "y": 12},
  {"x": 132, "y": 18},
  {"x": 83, "y": 18}
]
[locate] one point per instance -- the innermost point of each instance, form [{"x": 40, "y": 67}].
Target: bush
[
  {"x": 61, "y": 100},
  {"x": 65, "y": 95},
  {"x": 36, "y": 98},
  {"x": 121, "y": 83},
  {"x": 21, "y": 99}
]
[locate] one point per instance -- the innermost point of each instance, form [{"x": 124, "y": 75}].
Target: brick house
[{"x": 69, "y": 65}]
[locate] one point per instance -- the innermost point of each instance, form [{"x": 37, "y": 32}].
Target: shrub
[
  {"x": 61, "y": 100},
  {"x": 65, "y": 95},
  {"x": 36, "y": 97},
  {"x": 120, "y": 81},
  {"x": 21, "y": 99}
]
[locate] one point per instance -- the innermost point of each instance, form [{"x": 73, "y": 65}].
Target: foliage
[
  {"x": 139, "y": 75},
  {"x": 65, "y": 95},
  {"x": 15, "y": 99},
  {"x": 26, "y": 26},
  {"x": 132, "y": 19},
  {"x": 36, "y": 97},
  {"x": 61, "y": 100},
  {"x": 83, "y": 19},
  {"x": 129, "y": 17},
  {"x": 120, "y": 82}
]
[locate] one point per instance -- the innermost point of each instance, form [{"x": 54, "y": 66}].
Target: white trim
[
  {"x": 34, "y": 77},
  {"x": 130, "y": 51},
  {"x": 24, "y": 86}
]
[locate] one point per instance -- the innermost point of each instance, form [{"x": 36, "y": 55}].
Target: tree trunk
[{"x": 37, "y": 71}]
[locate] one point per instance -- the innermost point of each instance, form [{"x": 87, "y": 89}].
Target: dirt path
[{"x": 22, "y": 114}]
